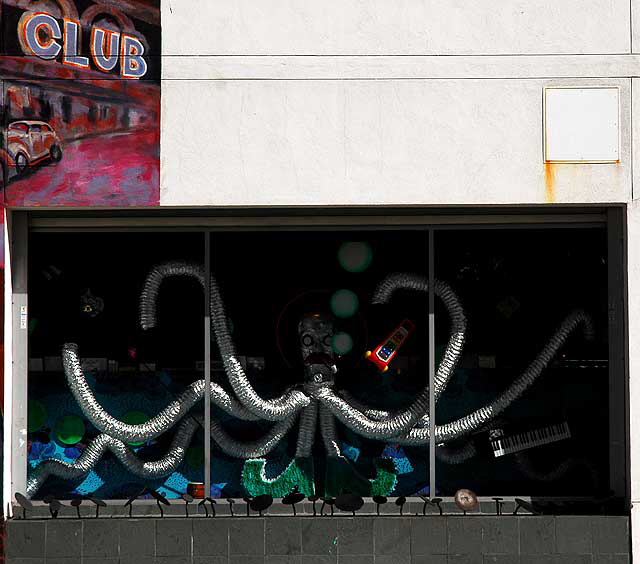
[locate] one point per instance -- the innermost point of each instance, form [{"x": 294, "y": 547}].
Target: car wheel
[
  {"x": 56, "y": 153},
  {"x": 22, "y": 163}
]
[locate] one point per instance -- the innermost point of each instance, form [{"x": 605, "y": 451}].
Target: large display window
[{"x": 315, "y": 347}]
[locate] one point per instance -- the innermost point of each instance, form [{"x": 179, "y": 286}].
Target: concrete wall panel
[
  {"x": 381, "y": 142},
  {"x": 404, "y": 27}
]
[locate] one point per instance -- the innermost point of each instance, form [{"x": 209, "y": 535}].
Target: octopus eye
[
  {"x": 307, "y": 340},
  {"x": 327, "y": 341}
]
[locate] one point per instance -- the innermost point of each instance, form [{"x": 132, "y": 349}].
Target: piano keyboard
[{"x": 508, "y": 444}]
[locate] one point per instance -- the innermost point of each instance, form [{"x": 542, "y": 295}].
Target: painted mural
[{"x": 80, "y": 102}]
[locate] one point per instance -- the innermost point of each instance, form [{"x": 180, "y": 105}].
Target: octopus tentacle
[
  {"x": 92, "y": 454},
  {"x": 157, "y": 425},
  {"x": 272, "y": 410},
  {"x": 307, "y": 430},
  {"x": 475, "y": 420}
]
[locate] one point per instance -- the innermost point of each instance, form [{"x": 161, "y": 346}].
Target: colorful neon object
[{"x": 382, "y": 355}]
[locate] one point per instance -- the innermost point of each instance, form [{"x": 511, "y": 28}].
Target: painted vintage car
[{"x": 30, "y": 142}]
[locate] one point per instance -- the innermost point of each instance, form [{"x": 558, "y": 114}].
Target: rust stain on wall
[{"x": 549, "y": 183}]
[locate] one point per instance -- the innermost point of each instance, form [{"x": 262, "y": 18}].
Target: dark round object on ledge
[
  {"x": 186, "y": 497},
  {"x": 349, "y": 502},
  {"x": 261, "y": 502},
  {"x": 379, "y": 499},
  {"x": 292, "y": 498},
  {"x": 158, "y": 496},
  {"x": 99, "y": 502},
  {"x": 23, "y": 501},
  {"x": 466, "y": 500}
]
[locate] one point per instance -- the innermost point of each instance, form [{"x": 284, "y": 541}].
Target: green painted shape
[
  {"x": 70, "y": 429},
  {"x": 36, "y": 416},
  {"x": 298, "y": 474},
  {"x": 342, "y": 477}
]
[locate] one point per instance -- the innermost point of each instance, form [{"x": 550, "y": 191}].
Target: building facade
[{"x": 394, "y": 211}]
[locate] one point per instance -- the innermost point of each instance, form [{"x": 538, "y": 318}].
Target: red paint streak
[{"x": 120, "y": 169}]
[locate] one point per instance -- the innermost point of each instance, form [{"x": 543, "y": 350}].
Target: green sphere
[{"x": 69, "y": 429}]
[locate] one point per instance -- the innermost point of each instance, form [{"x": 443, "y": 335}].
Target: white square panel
[{"x": 581, "y": 125}]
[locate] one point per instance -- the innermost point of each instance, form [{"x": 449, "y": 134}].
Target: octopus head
[{"x": 315, "y": 331}]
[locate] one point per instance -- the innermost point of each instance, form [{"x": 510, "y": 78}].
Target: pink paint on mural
[{"x": 81, "y": 102}]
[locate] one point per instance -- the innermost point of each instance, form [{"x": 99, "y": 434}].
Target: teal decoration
[
  {"x": 342, "y": 476},
  {"x": 298, "y": 474}
]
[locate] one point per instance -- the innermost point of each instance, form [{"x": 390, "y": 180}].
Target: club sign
[{"x": 41, "y": 35}]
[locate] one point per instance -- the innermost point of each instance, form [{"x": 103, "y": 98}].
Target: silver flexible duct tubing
[
  {"x": 92, "y": 454},
  {"x": 402, "y": 281},
  {"x": 272, "y": 410},
  {"x": 328, "y": 432},
  {"x": 456, "y": 455},
  {"x": 158, "y": 424},
  {"x": 475, "y": 420},
  {"x": 307, "y": 430},
  {"x": 252, "y": 449}
]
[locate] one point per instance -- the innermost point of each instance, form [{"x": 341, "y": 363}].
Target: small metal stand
[
  {"x": 400, "y": 503},
  {"x": 98, "y": 503},
  {"x": 187, "y": 500},
  {"x": 379, "y": 500},
  {"x": 499, "y": 505},
  {"x": 160, "y": 500},
  {"x": 247, "y": 500},
  {"x": 313, "y": 499},
  {"x": 77, "y": 502},
  {"x": 24, "y": 503},
  {"x": 291, "y": 499},
  {"x": 231, "y": 501},
  {"x": 330, "y": 501}
]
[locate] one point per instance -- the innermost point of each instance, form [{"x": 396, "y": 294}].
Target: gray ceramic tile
[
  {"x": 573, "y": 534},
  {"x": 539, "y": 558},
  {"x": 537, "y": 535},
  {"x": 392, "y": 536},
  {"x": 464, "y": 535},
  {"x": 572, "y": 559},
  {"x": 173, "y": 560},
  {"x": 100, "y": 538},
  {"x": 354, "y": 559},
  {"x": 472, "y": 558},
  {"x": 137, "y": 537},
  {"x": 283, "y": 535},
  {"x": 320, "y": 536},
  {"x": 100, "y": 560},
  {"x": 610, "y": 535},
  {"x": 611, "y": 559},
  {"x": 210, "y": 560},
  {"x": 25, "y": 560},
  {"x": 246, "y": 536},
  {"x": 428, "y": 535},
  {"x": 246, "y": 559},
  {"x": 173, "y": 537},
  {"x": 429, "y": 559},
  {"x": 501, "y": 559},
  {"x": 210, "y": 537},
  {"x": 283, "y": 559},
  {"x": 63, "y": 539},
  {"x": 500, "y": 535},
  {"x": 25, "y": 539},
  {"x": 319, "y": 559},
  {"x": 137, "y": 559},
  {"x": 392, "y": 559},
  {"x": 355, "y": 536}
]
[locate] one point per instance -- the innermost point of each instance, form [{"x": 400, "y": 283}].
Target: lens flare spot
[
  {"x": 344, "y": 303},
  {"x": 355, "y": 256},
  {"x": 342, "y": 343}
]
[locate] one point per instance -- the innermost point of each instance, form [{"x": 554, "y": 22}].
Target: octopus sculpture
[{"x": 314, "y": 403}]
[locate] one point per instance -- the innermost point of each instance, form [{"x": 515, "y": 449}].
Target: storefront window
[{"x": 319, "y": 362}]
